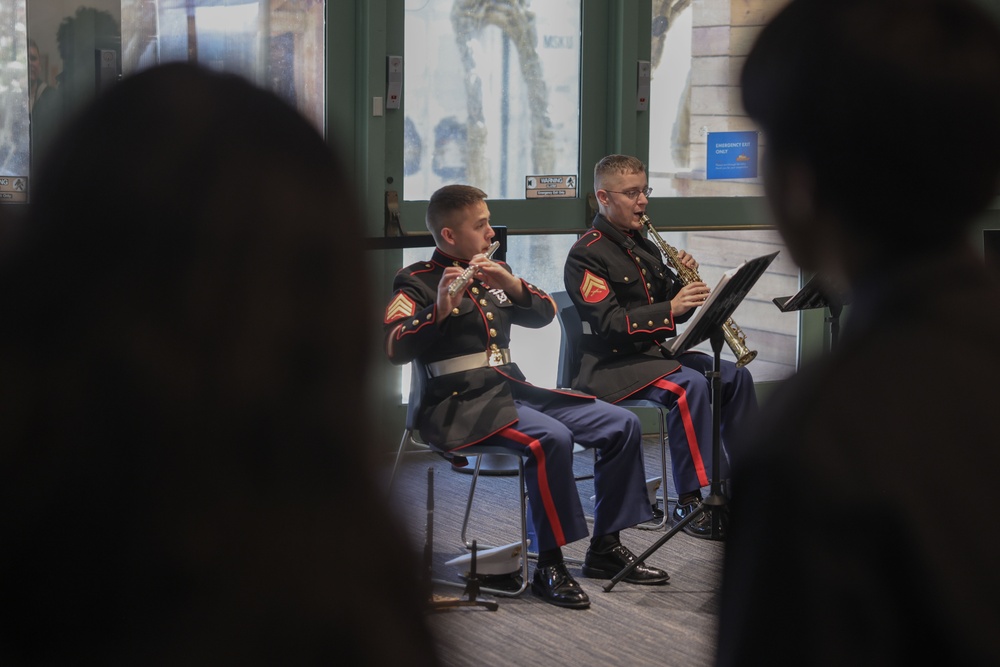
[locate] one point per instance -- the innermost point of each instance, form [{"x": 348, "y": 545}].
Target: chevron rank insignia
[
  {"x": 400, "y": 307},
  {"x": 593, "y": 289}
]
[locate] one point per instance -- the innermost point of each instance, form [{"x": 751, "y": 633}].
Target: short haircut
[
  {"x": 620, "y": 165},
  {"x": 446, "y": 201},
  {"x": 893, "y": 104}
]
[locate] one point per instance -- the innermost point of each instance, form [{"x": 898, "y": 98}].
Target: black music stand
[
  {"x": 707, "y": 325},
  {"x": 817, "y": 293}
]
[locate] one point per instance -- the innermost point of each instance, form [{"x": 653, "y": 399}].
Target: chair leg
[
  {"x": 524, "y": 517},
  {"x": 522, "y": 493},
  {"x": 407, "y": 439},
  {"x": 468, "y": 503},
  {"x": 664, "y": 452},
  {"x": 399, "y": 457}
]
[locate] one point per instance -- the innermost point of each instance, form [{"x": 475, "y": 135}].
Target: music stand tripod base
[{"x": 471, "y": 587}]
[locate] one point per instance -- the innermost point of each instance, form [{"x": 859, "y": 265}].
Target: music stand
[
  {"x": 707, "y": 325},
  {"x": 817, "y": 293},
  {"x": 471, "y": 591}
]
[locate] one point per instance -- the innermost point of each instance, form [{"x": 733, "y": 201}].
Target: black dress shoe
[
  {"x": 700, "y": 526},
  {"x": 606, "y": 565},
  {"x": 555, "y": 585}
]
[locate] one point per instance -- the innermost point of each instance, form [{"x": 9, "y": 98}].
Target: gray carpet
[{"x": 630, "y": 625}]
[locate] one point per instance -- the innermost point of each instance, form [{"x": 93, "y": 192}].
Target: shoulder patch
[
  {"x": 401, "y": 306},
  {"x": 593, "y": 289}
]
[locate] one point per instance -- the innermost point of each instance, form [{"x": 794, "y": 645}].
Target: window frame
[{"x": 615, "y": 35}]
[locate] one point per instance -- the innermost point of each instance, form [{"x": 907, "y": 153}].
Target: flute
[{"x": 459, "y": 283}]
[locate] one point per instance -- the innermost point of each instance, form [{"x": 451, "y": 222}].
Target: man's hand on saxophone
[
  {"x": 687, "y": 260},
  {"x": 691, "y": 296}
]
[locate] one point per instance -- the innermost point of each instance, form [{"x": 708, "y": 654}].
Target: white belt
[{"x": 468, "y": 362}]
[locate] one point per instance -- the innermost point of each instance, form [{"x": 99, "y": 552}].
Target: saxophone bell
[{"x": 736, "y": 340}]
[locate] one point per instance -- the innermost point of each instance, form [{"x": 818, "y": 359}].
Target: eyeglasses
[{"x": 634, "y": 194}]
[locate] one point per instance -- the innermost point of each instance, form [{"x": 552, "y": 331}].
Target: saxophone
[
  {"x": 463, "y": 279},
  {"x": 734, "y": 336}
]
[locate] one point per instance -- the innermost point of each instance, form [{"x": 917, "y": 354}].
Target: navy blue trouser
[
  {"x": 545, "y": 435},
  {"x": 687, "y": 392}
]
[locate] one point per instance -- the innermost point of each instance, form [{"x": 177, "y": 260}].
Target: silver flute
[{"x": 459, "y": 283}]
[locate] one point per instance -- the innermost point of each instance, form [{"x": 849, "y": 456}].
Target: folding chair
[{"x": 418, "y": 377}]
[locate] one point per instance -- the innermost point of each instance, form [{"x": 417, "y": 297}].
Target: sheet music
[
  {"x": 717, "y": 309},
  {"x": 678, "y": 341}
]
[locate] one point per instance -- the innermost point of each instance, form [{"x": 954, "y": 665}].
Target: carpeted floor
[{"x": 671, "y": 625}]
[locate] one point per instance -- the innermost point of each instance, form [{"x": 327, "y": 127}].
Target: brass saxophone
[
  {"x": 458, "y": 284},
  {"x": 734, "y": 336}
]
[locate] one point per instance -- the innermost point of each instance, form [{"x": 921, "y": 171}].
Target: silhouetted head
[
  {"x": 881, "y": 117},
  {"x": 185, "y": 457}
]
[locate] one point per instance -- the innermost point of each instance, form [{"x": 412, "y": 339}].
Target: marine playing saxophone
[{"x": 734, "y": 336}]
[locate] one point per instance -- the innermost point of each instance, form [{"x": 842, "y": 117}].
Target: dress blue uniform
[
  {"x": 622, "y": 290},
  {"x": 475, "y": 394}
]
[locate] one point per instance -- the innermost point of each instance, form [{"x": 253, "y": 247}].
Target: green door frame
[{"x": 615, "y": 35}]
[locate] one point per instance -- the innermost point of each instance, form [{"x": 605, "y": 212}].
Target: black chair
[
  {"x": 569, "y": 360},
  {"x": 418, "y": 377}
]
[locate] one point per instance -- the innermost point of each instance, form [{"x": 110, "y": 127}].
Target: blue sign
[{"x": 732, "y": 155}]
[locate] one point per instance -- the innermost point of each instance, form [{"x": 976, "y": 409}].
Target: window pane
[
  {"x": 772, "y": 333},
  {"x": 539, "y": 259},
  {"x": 491, "y": 92},
  {"x": 698, "y": 50},
  {"x": 277, "y": 44},
  {"x": 16, "y": 83},
  {"x": 64, "y": 37}
]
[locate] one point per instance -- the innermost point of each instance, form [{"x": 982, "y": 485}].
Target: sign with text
[
  {"x": 13, "y": 189},
  {"x": 731, "y": 155},
  {"x": 550, "y": 187}
]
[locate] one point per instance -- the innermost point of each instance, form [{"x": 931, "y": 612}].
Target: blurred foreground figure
[
  {"x": 882, "y": 126},
  {"x": 183, "y": 477}
]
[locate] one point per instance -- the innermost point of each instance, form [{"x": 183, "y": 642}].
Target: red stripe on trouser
[
  {"x": 692, "y": 439},
  {"x": 535, "y": 448}
]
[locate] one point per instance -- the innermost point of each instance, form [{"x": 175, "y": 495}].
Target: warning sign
[
  {"x": 550, "y": 187},
  {"x": 13, "y": 189}
]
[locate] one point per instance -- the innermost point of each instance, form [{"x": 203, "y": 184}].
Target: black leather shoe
[
  {"x": 555, "y": 585},
  {"x": 609, "y": 563},
  {"x": 701, "y": 526}
]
